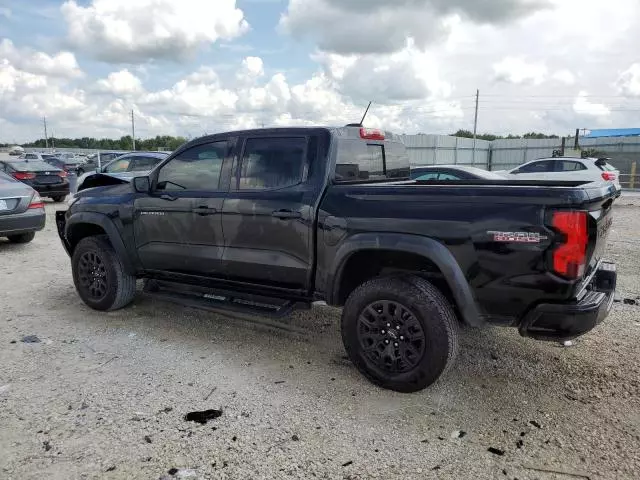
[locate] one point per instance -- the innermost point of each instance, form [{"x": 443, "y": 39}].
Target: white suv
[{"x": 566, "y": 168}]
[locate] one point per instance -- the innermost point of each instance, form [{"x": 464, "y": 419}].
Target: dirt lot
[{"x": 104, "y": 395}]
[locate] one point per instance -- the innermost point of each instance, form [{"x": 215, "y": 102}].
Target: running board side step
[{"x": 222, "y": 300}]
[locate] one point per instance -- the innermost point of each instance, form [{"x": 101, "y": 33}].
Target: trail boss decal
[{"x": 517, "y": 237}]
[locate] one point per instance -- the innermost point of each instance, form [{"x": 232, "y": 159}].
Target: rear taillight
[
  {"x": 608, "y": 176},
  {"x": 570, "y": 258},
  {"x": 24, "y": 175},
  {"x": 371, "y": 134},
  {"x": 36, "y": 201},
  {"x": 63, "y": 174}
]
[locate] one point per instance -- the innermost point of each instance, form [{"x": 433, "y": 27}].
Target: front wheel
[
  {"x": 99, "y": 275},
  {"x": 401, "y": 333}
]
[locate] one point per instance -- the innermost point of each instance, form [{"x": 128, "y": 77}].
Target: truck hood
[{"x": 92, "y": 180}]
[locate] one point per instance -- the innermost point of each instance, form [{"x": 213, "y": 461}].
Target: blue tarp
[{"x": 613, "y": 132}]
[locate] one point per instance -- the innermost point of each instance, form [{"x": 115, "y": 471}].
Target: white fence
[{"x": 446, "y": 150}]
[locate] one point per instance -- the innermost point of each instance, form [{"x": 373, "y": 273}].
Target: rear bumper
[
  {"x": 564, "y": 321},
  {"x": 27, "y": 222},
  {"x": 55, "y": 190}
]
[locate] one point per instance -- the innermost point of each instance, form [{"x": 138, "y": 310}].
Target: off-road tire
[
  {"x": 432, "y": 311},
  {"x": 22, "y": 238},
  {"x": 120, "y": 287}
]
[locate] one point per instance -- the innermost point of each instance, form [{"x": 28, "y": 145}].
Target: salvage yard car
[
  {"x": 270, "y": 220},
  {"x": 21, "y": 210},
  {"x": 569, "y": 168},
  {"x": 46, "y": 179}
]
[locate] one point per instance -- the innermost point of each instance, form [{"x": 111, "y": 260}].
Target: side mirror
[{"x": 142, "y": 184}]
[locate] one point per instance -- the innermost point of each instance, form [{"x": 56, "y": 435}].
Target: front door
[
  {"x": 268, "y": 215},
  {"x": 178, "y": 227}
]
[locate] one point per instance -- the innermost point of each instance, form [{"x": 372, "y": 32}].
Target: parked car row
[{"x": 549, "y": 169}]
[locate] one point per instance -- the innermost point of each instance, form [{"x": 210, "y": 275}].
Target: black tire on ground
[
  {"x": 400, "y": 332},
  {"x": 22, "y": 238},
  {"x": 59, "y": 198},
  {"x": 99, "y": 275}
]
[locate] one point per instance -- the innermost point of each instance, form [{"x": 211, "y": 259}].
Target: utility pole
[
  {"x": 475, "y": 128},
  {"x": 46, "y": 139},
  {"x": 133, "y": 131}
]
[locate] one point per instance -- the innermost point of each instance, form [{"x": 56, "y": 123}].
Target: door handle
[
  {"x": 204, "y": 210},
  {"x": 286, "y": 214},
  {"x": 168, "y": 197}
]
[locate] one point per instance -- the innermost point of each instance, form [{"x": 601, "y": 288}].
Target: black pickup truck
[{"x": 269, "y": 220}]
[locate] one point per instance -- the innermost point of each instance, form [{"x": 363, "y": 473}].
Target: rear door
[
  {"x": 178, "y": 228},
  {"x": 267, "y": 215}
]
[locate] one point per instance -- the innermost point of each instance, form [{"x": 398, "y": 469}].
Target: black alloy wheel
[
  {"x": 92, "y": 275},
  {"x": 390, "y": 336}
]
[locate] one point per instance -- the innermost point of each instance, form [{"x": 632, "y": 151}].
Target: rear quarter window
[
  {"x": 361, "y": 160},
  {"x": 604, "y": 166}
]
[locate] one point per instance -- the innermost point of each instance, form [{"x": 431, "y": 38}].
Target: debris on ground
[
  {"x": 30, "y": 339},
  {"x": 295, "y": 438},
  {"x": 111, "y": 468},
  {"x": 4, "y": 388},
  {"x": 203, "y": 417},
  {"x": 346, "y": 464},
  {"x": 46, "y": 445},
  {"x": 630, "y": 301},
  {"x": 495, "y": 451},
  {"x": 535, "y": 424},
  {"x": 458, "y": 434},
  {"x": 147, "y": 439},
  {"x": 568, "y": 343}
]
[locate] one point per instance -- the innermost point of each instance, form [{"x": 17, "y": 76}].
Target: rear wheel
[
  {"x": 59, "y": 198},
  {"x": 401, "y": 333},
  {"x": 99, "y": 275},
  {"x": 22, "y": 238}
]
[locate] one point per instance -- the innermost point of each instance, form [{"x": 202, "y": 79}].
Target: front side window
[
  {"x": 537, "y": 167},
  {"x": 118, "y": 166},
  {"x": 197, "y": 168},
  {"x": 428, "y": 176},
  {"x": 270, "y": 163}
]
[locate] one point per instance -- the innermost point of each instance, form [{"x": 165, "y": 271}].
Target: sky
[{"x": 194, "y": 67}]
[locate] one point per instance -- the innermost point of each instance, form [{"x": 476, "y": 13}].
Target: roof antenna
[{"x": 363, "y": 117}]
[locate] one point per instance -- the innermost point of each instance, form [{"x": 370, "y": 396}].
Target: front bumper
[
  {"x": 61, "y": 223},
  {"x": 26, "y": 222},
  {"x": 564, "y": 321}
]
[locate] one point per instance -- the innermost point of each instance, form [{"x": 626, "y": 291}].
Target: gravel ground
[{"x": 105, "y": 395}]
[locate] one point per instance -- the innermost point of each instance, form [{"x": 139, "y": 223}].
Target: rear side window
[
  {"x": 272, "y": 163},
  {"x": 569, "y": 166},
  {"x": 143, "y": 164},
  {"x": 31, "y": 156}
]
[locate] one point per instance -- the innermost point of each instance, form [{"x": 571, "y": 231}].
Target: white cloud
[
  {"x": 405, "y": 75},
  {"x": 518, "y": 71},
  {"x": 126, "y": 31},
  {"x": 121, "y": 83},
  {"x": 253, "y": 66},
  {"x": 62, "y": 64},
  {"x": 5, "y": 12},
  {"x": 381, "y": 26},
  {"x": 565, "y": 76},
  {"x": 629, "y": 81},
  {"x": 583, "y": 106}
]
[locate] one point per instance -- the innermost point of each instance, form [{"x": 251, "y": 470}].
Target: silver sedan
[{"x": 21, "y": 210}]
